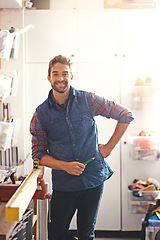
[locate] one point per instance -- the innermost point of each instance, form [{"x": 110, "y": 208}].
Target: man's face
[{"x": 60, "y": 77}]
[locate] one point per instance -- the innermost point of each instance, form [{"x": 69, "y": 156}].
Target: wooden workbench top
[{"x": 6, "y": 227}]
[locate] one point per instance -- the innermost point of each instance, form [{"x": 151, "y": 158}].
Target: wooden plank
[
  {"x": 6, "y": 227},
  {"x": 19, "y": 202}
]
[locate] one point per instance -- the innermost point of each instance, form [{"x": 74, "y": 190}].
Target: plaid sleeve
[
  {"x": 109, "y": 109},
  {"x": 39, "y": 138}
]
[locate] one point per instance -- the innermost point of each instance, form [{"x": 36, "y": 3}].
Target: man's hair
[{"x": 59, "y": 59}]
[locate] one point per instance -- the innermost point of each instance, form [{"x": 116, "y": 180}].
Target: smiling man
[
  {"x": 60, "y": 77},
  {"x": 65, "y": 138}
]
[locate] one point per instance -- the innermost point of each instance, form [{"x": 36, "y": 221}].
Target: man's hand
[
  {"x": 75, "y": 168},
  {"x": 104, "y": 150}
]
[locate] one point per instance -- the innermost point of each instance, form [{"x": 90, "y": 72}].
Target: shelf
[
  {"x": 10, "y": 3},
  {"x": 143, "y": 196},
  {"x": 142, "y": 96},
  {"x": 138, "y": 208},
  {"x": 145, "y": 147},
  {"x": 139, "y": 204}
]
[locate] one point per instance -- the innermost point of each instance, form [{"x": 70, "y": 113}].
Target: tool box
[{"x": 153, "y": 230}]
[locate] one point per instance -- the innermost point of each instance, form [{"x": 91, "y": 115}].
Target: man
[{"x": 64, "y": 137}]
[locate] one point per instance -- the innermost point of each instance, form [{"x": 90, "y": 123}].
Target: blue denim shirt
[{"x": 71, "y": 135}]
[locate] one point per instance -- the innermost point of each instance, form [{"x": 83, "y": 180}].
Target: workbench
[{"x": 14, "y": 200}]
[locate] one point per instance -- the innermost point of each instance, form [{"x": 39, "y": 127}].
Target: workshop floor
[{"x": 117, "y": 239}]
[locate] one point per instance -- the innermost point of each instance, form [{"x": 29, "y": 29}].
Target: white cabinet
[
  {"x": 139, "y": 35},
  {"x": 98, "y": 71},
  {"x": 102, "y": 79},
  {"x": 54, "y": 33},
  {"x": 74, "y": 4},
  {"x": 98, "y": 35}
]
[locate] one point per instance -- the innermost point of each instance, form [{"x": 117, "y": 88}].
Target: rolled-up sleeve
[
  {"x": 110, "y": 109},
  {"x": 39, "y": 138}
]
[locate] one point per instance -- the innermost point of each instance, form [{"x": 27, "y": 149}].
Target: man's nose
[{"x": 60, "y": 78}]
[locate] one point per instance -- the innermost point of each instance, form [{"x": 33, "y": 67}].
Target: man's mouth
[
  {"x": 60, "y": 87},
  {"x": 61, "y": 84}
]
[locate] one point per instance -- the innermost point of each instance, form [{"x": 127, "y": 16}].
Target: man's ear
[{"x": 48, "y": 77}]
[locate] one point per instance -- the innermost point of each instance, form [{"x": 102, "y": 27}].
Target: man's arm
[
  {"x": 110, "y": 109},
  {"x": 73, "y": 168},
  {"x": 106, "y": 149}
]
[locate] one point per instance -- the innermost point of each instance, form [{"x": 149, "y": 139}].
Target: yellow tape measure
[{"x": 36, "y": 163}]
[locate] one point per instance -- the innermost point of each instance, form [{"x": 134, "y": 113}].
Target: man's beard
[{"x": 64, "y": 89}]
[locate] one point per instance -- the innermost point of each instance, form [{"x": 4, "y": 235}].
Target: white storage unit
[
  {"x": 56, "y": 35},
  {"x": 141, "y": 59}
]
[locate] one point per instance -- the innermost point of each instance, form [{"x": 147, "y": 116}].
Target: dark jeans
[{"x": 63, "y": 207}]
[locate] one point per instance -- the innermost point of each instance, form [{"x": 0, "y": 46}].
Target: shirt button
[
  {"x": 70, "y": 131},
  {"x": 67, "y": 118},
  {"x": 84, "y": 121},
  {"x": 51, "y": 121},
  {"x": 74, "y": 145},
  {"x": 77, "y": 159}
]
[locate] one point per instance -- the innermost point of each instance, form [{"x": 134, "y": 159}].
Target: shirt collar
[{"x": 52, "y": 101}]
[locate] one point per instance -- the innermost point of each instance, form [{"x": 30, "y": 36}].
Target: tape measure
[{"x": 36, "y": 163}]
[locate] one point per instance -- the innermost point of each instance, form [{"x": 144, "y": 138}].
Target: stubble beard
[{"x": 62, "y": 90}]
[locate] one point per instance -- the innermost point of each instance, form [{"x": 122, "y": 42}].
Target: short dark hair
[{"x": 59, "y": 59}]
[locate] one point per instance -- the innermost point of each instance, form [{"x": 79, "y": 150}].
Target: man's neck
[{"x": 61, "y": 97}]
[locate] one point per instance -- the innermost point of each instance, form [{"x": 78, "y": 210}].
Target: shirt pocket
[
  {"x": 56, "y": 129},
  {"x": 82, "y": 123}
]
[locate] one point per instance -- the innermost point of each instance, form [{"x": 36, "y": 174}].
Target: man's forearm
[
  {"x": 107, "y": 148},
  {"x": 118, "y": 133},
  {"x": 51, "y": 162},
  {"x": 73, "y": 168}
]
